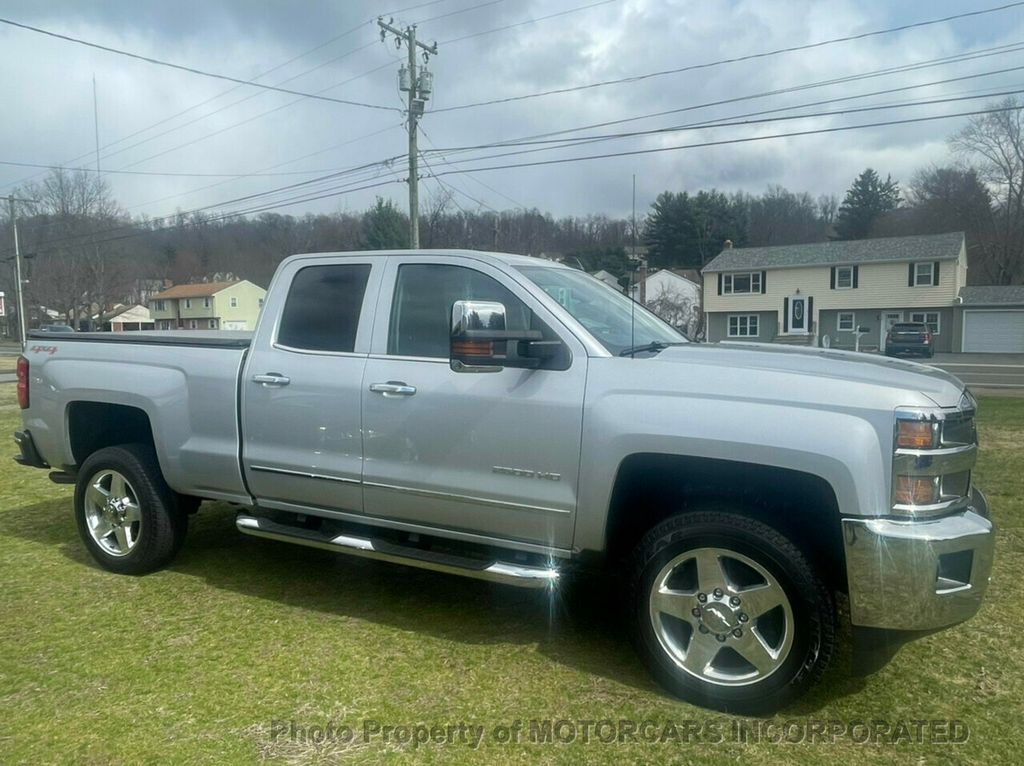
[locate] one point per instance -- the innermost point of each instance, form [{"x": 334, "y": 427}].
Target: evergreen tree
[
  {"x": 385, "y": 227},
  {"x": 865, "y": 201}
]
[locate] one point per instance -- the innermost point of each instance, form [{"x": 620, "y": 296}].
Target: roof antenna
[{"x": 632, "y": 288}]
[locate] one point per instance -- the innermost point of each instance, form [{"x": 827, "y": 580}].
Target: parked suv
[{"x": 909, "y": 338}]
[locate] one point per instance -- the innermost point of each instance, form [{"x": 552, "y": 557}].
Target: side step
[{"x": 520, "y": 575}]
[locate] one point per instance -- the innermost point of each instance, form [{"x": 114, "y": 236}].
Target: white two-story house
[{"x": 807, "y": 293}]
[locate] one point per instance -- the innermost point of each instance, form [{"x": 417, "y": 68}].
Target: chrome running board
[{"x": 521, "y": 575}]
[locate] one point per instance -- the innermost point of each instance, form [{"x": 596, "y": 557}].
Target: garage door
[
  {"x": 235, "y": 325},
  {"x": 994, "y": 331}
]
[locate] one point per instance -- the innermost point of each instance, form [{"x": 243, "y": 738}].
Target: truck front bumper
[{"x": 918, "y": 576}]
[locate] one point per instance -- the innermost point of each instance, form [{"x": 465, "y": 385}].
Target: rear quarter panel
[{"x": 188, "y": 393}]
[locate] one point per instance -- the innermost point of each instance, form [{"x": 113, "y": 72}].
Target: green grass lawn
[{"x": 196, "y": 663}]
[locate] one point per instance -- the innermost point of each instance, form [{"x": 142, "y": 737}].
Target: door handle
[
  {"x": 272, "y": 379},
  {"x": 393, "y": 388}
]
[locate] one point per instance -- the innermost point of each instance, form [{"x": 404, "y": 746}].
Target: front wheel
[
  {"x": 127, "y": 516},
  {"x": 728, "y": 613}
]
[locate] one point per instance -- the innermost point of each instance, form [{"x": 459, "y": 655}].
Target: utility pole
[
  {"x": 19, "y": 286},
  {"x": 419, "y": 88}
]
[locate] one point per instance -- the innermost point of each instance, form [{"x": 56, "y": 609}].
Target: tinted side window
[
  {"x": 322, "y": 309},
  {"x": 422, "y": 307}
]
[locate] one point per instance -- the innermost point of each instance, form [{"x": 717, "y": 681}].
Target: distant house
[
  {"x": 803, "y": 294},
  {"x": 208, "y": 306},
  {"x": 674, "y": 294},
  {"x": 130, "y": 318}
]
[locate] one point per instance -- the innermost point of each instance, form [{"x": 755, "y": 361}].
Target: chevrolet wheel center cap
[{"x": 718, "y": 617}]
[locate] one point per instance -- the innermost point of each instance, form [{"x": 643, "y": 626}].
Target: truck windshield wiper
[{"x": 655, "y": 345}]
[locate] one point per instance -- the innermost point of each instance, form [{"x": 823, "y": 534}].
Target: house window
[
  {"x": 846, "y": 321},
  {"x": 188, "y": 303},
  {"x": 193, "y": 324},
  {"x": 259, "y": 303},
  {"x": 741, "y": 284},
  {"x": 234, "y": 302},
  {"x": 743, "y": 326},
  {"x": 165, "y": 325},
  {"x": 159, "y": 306},
  {"x": 930, "y": 318},
  {"x": 923, "y": 274},
  {"x": 214, "y": 324},
  {"x": 844, "y": 277},
  {"x": 206, "y": 303}
]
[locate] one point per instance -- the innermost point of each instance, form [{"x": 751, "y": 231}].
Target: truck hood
[{"x": 817, "y": 369}]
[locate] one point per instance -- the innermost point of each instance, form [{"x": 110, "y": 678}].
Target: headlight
[{"x": 934, "y": 451}]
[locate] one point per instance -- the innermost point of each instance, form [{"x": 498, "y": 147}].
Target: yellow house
[{"x": 208, "y": 306}]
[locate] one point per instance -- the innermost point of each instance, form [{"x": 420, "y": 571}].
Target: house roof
[
  {"x": 136, "y": 313},
  {"x": 929, "y": 247},
  {"x": 992, "y": 295},
  {"x": 692, "y": 274},
  {"x": 199, "y": 290}
]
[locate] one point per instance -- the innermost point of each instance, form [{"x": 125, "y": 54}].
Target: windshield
[{"x": 613, "y": 319}]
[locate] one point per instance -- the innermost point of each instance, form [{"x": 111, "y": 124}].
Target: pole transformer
[{"x": 418, "y": 86}]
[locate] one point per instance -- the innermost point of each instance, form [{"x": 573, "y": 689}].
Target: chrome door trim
[
  {"x": 424, "y": 529},
  {"x": 303, "y": 474},
  {"x": 464, "y": 498}
]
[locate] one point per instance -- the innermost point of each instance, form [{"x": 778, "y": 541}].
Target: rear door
[
  {"x": 300, "y": 392},
  {"x": 495, "y": 454}
]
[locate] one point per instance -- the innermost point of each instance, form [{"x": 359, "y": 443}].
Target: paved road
[
  {"x": 994, "y": 372},
  {"x": 8, "y": 377}
]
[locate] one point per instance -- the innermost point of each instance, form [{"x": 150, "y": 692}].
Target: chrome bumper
[{"x": 919, "y": 575}]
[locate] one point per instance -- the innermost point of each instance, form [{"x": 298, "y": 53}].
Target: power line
[
  {"x": 732, "y": 122},
  {"x": 733, "y": 60},
  {"x": 524, "y": 23},
  {"x": 927, "y": 64},
  {"x": 173, "y": 174},
  {"x": 724, "y": 142},
  {"x": 192, "y": 70},
  {"x": 283, "y": 64}
]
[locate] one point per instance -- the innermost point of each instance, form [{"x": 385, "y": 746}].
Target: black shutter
[
  {"x": 935, "y": 274},
  {"x": 809, "y": 324},
  {"x": 856, "y": 271},
  {"x": 785, "y": 314},
  {"x": 832, "y": 284},
  {"x": 719, "y": 284},
  {"x": 764, "y": 289},
  {"x": 910, "y": 277}
]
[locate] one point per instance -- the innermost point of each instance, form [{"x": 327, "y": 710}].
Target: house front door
[
  {"x": 889, "y": 318},
  {"x": 799, "y": 323}
]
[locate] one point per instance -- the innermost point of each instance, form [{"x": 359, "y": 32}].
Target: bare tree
[
  {"x": 994, "y": 143},
  {"x": 678, "y": 309},
  {"x": 75, "y": 271}
]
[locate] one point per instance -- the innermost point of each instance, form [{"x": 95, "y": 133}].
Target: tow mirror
[{"x": 481, "y": 342}]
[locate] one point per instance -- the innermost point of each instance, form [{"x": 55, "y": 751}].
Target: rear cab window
[{"x": 321, "y": 312}]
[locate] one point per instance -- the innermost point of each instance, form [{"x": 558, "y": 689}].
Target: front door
[
  {"x": 889, "y": 318},
  {"x": 799, "y": 324},
  {"x": 493, "y": 454},
  {"x": 301, "y": 388}
]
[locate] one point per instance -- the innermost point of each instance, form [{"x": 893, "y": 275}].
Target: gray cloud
[{"x": 48, "y": 97}]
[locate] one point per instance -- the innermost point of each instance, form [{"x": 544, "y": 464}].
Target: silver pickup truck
[{"x": 515, "y": 420}]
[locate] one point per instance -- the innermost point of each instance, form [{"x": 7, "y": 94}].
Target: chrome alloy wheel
[
  {"x": 112, "y": 513},
  {"x": 721, "y": 617}
]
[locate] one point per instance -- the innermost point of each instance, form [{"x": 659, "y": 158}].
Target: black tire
[
  {"x": 810, "y": 605},
  {"x": 161, "y": 525}
]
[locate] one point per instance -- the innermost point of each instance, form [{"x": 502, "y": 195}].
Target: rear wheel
[
  {"x": 127, "y": 516},
  {"x": 728, "y": 613}
]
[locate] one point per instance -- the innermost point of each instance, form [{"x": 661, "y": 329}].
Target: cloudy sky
[{"x": 154, "y": 120}]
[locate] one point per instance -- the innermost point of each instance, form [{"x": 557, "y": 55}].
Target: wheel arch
[
  {"x": 650, "y": 487},
  {"x": 93, "y": 425}
]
